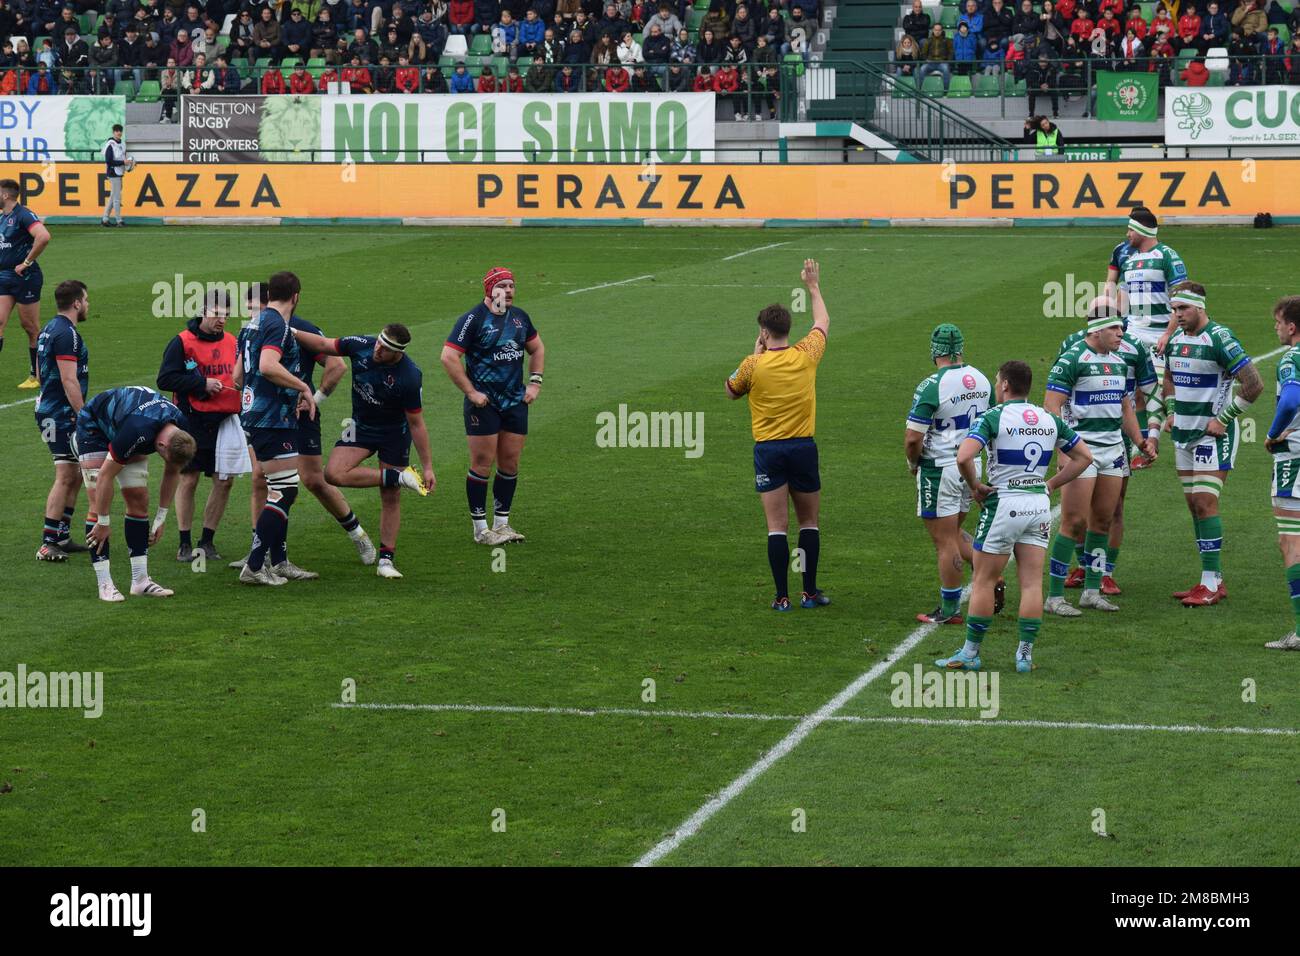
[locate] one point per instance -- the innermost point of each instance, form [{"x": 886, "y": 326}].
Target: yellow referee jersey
[{"x": 782, "y": 388}]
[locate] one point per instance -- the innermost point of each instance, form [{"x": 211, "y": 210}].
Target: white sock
[
  {"x": 101, "y": 572},
  {"x": 500, "y": 521},
  {"x": 971, "y": 649},
  {"x": 480, "y": 524},
  {"x": 357, "y": 533},
  {"x": 1210, "y": 580},
  {"x": 139, "y": 567},
  {"x": 1092, "y": 591},
  {"x": 1025, "y": 650}
]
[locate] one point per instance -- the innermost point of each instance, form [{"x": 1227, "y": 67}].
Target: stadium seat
[
  {"x": 1283, "y": 32},
  {"x": 702, "y": 6},
  {"x": 89, "y": 23},
  {"x": 481, "y": 45},
  {"x": 933, "y": 85},
  {"x": 1217, "y": 79},
  {"x": 1148, "y": 11},
  {"x": 1021, "y": 88},
  {"x": 903, "y": 85},
  {"x": 150, "y": 92},
  {"x": 960, "y": 87},
  {"x": 500, "y": 64},
  {"x": 988, "y": 86},
  {"x": 949, "y": 18},
  {"x": 693, "y": 18},
  {"x": 1187, "y": 53},
  {"x": 456, "y": 45},
  {"x": 316, "y": 61}
]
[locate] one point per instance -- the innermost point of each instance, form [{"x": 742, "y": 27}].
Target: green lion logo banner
[
  {"x": 1192, "y": 110},
  {"x": 288, "y": 129},
  {"x": 88, "y": 124}
]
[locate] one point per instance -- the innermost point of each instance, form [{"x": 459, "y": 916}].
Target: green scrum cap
[{"x": 946, "y": 339}]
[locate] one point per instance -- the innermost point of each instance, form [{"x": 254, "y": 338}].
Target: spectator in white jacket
[{"x": 629, "y": 51}]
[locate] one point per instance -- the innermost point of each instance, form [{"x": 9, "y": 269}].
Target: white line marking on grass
[
  {"x": 607, "y": 285},
  {"x": 759, "y": 249},
  {"x": 25, "y": 401},
  {"x": 833, "y": 719},
  {"x": 1268, "y": 355}
]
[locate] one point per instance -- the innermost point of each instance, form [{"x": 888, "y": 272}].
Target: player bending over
[
  {"x": 1094, "y": 378},
  {"x": 493, "y": 338},
  {"x": 1284, "y": 442},
  {"x": 64, "y": 365},
  {"x": 311, "y": 472},
  {"x": 1018, "y": 440},
  {"x": 781, "y": 383},
  {"x": 387, "y": 417},
  {"x": 944, "y": 407},
  {"x": 1203, "y": 358},
  {"x": 117, "y": 430}
]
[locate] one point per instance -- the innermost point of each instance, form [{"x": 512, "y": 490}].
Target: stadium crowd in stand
[
  {"x": 1054, "y": 45},
  {"x": 398, "y": 46}
]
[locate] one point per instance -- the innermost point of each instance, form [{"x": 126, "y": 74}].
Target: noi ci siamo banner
[
  {"x": 42, "y": 129},
  {"x": 1232, "y": 116},
  {"x": 515, "y": 127}
]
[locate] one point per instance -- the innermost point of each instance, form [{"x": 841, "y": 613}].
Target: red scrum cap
[{"x": 496, "y": 274}]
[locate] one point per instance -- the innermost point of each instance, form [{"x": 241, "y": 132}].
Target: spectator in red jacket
[
  {"x": 1136, "y": 23},
  {"x": 329, "y": 76},
  {"x": 1066, "y": 8},
  {"x": 1110, "y": 23},
  {"x": 460, "y": 16},
  {"x": 1081, "y": 27},
  {"x": 1196, "y": 74},
  {"x": 487, "y": 81},
  {"x": 726, "y": 82},
  {"x": 512, "y": 82},
  {"x": 703, "y": 81},
  {"x": 272, "y": 81},
  {"x": 407, "y": 79},
  {"x": 617, "y": 80},
  {"x": 357, "y": 76},
  {"x": 1189, "y": 28},
  {"x": 1114, "y": 6},
  {"x": 300, "y": 81}
]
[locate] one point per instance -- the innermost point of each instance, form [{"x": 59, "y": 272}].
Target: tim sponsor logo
[{"x": 76, "y": 909}]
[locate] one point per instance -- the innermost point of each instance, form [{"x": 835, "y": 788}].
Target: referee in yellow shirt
[{"x": 781, "y": 382}]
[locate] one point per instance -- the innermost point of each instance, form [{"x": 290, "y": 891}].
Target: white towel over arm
[{"x": 232, "y": 449}]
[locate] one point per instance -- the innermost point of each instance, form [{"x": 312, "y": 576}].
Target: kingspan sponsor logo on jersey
[
  {"x": 511, "y": 353},
  {"x": 636, "y": 429},
  {"x": 964, "y": 690}
]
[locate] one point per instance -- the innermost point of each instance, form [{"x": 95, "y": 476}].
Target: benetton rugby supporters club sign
[{"x": 459, "y": 129}]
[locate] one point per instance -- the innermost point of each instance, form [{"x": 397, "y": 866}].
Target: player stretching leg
[
  {"x": 781, "y": 383},
  {"x": 272, "y": 399},
  {"x": 944, "y": 407},
  {"x": 1098, "y": 384},
  {"x": 493, "y": 338},
  {"x": 310, "y": 470},
  {"x": 117, "y": 430},
  {"x": 387, "y": 416},
  {"x": 23, "y": 237},
  {"x": 1284, "y": 442},
  {"x": 1018, "y": 439},
  {"x": 1203, "y": 358},
  {"x": 64, "y": 363}
]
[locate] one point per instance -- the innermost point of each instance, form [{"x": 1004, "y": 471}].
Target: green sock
[
  {"x": 1094, "y": 546},
  {"x": 1059, "y": 566},
  {"x": 976, "y": 627},
  {"x": 1029, "y": 628},
  {"x": 1112, "y": 559},
  {"x": 1079, "y": 557},
  {"x": 1209, "y": 538},
  {"x": 1293, "y": 582}
]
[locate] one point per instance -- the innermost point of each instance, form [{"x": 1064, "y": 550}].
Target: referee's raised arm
[{"x": 811, "y": 276}]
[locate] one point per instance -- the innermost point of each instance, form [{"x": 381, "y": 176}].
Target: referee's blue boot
[
  {"x": 781, "y": 604},
  {"x": 815, "y": 599}
]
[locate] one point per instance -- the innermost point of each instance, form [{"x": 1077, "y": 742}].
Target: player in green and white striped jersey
[
  {"x": 1203, "y": 359},
  {"x": 1284, "y": 442},
  {"x": 1099, "y": 384},
  {"x": 1141, "y": 274},
  {"x": 1018, "y": 440},
  {"x": 1138, "y": 356},
  {"x": 944, "y": 407}
]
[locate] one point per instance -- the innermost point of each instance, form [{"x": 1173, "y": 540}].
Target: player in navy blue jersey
[
  {"x": 311, "y": 472},
  {"x": 492, "y": 339},
  {"x": 273, "y": 397},
  {"x": 23, "y": 237},
  {"x": 64, "y": 366},
  {"x": 117, "y": 430},
  {"x": 387, "y": 417}
]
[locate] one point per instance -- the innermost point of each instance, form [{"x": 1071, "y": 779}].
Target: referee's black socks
[
  {"x": 778, "y": 556},
  {"x": 810, "y": 543}
]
